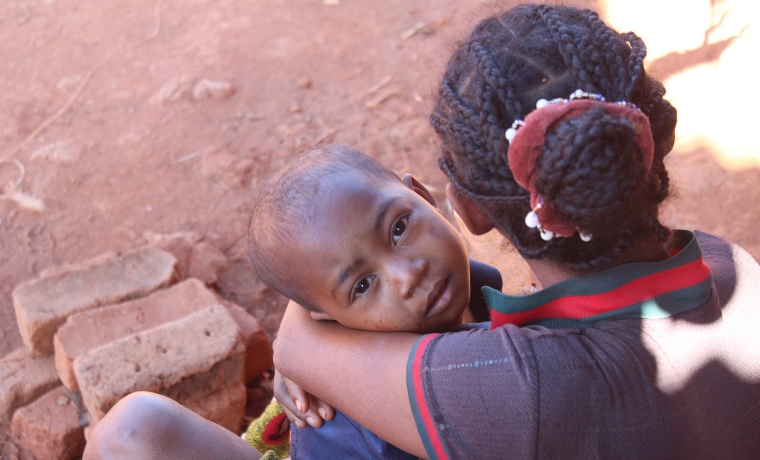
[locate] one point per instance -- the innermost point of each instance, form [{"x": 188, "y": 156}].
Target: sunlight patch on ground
[{"x": 715, "y": 99}]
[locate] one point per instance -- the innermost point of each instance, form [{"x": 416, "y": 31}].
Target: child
[{"x": 344, "y": 237}]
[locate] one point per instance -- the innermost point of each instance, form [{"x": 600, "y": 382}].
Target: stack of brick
[
  {"x": 43, "y": 305},
  {"x": 120, "y": 325}
]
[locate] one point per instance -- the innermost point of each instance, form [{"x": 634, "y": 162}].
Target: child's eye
[
  {"x": 361, "y": 287},
  {"x": 398, "y": 228}
]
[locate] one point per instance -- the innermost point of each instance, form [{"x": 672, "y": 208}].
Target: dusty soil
[{"x": 138, "y": 118}]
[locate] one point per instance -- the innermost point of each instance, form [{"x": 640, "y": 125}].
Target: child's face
[{"x": 377, "y": 255}]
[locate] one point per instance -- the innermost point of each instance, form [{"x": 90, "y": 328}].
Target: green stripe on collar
[{"x": 637, "y": 290}]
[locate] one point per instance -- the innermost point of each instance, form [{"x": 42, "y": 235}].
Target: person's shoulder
[
  {"x": 713, "y": 244},
  {"x": 734, "y": 270},
  {"x": 720, "y": 253}
]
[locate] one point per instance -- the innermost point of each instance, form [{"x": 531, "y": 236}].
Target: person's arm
[{"x": 363, "y": 374}]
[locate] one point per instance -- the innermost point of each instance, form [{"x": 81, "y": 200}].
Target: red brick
[
  {"x": 194, "y": 259},
  {"x": 226, "y": 407},
  {"x": 212, "y": 256},
  {"x": 186, "y": 360},
  {"x": 180, "y": 246},
  {"x": 43, "y": 305},
  {"x": 49, "y": 427},
  {"x": 258, "y": 350},
  {"x": 206, "y": 262},
  {"x": 24, "y": 377},
  {"x": 94, "y": 328}
]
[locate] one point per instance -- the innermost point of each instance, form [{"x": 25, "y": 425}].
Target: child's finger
[
  {"x": 300, "y": 398},
  {"x": 326, "y": 411},
  {"x": 311, "y": 417},
  {"x": 282, "y": 395},
  {"x": 297, "y": 402},
  {"x": 293, "y": 419}
]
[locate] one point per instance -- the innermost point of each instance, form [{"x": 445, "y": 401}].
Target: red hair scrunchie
[{"x": 527, "y": 137}]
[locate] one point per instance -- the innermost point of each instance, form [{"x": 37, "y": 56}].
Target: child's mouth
[{"x": 440, "y": 296}]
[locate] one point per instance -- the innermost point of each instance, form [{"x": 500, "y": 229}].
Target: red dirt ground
[{"x": 137, "y": 153}]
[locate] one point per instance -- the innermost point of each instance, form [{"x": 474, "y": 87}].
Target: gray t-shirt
[{"x": 671, "y": 374}]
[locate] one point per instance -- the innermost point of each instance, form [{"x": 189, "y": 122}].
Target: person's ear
[
  {"x": 473, "y": 216},
  {"x": 321, "y": 316},
  {"x": 419, "y": 189}
]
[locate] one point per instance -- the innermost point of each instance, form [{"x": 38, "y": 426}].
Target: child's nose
[{"x": 408, "y": 275}]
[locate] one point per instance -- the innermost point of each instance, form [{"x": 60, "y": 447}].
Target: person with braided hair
[{"x": 642, "y": 342}]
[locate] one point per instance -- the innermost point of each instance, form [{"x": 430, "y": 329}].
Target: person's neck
[{"x": 549, "y": 272}]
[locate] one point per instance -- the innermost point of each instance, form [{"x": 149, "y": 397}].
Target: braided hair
[{"x": 589, "y": 167}]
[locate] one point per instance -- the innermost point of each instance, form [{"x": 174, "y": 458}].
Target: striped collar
[{"x": 637, "y": 290}]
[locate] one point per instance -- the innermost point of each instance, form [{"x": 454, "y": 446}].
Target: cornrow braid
[
  {"x": 502, "y": 86},
  {"x": 590, "y": 165},
  {"x": 493, "y": 95},
  {"x": 635, "y": 64}
]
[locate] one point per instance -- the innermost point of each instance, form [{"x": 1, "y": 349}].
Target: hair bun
[{"x": 589, "y": 168}]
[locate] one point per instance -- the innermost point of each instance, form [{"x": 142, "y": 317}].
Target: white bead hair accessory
[
  {"x": 546, "y": 235},
  {"x": 580, "y": 94},
  {"x": 531, "y": 220},
  {"x": 541, "y": 103},
  {"x": 510, "y": 133}
]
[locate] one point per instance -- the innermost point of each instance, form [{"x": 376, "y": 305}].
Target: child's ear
[
  {"x": 419, "y": 189},
  {"x": 321, "y": 316},
  {"x": 473, "y": 216}
]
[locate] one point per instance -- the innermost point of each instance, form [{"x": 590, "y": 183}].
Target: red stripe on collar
[{"x": 638, "y": 290}]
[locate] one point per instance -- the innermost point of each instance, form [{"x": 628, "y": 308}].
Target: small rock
[
  {"x": 58, "y": 152},
  {"x": 206, "y": 262},
  {"x": 219, "y": 89},
  {"x": 24, "y": 200},
  {"x": 227, "y": 168},
  {"x": 174, "y": 90}
]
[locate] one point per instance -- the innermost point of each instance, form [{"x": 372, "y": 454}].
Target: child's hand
[{"x": 300, "y": 407}]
